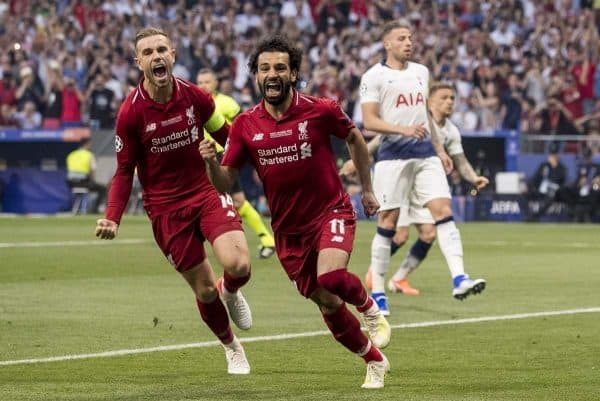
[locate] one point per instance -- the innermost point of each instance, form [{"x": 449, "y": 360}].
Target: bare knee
[
  {"x": 427, "y": 233},
  {"x": 400, "y": 237},
  {"x": 240, "y": 267}
]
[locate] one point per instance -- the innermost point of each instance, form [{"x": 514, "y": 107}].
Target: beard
[{"x": 282, "y": 89}]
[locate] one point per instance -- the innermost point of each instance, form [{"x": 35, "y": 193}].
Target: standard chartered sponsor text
[
  {"x": 279, "y": 155},
  {"x": 173, "y": 141}
]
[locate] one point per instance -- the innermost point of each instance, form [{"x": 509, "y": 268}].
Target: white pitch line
[
  {"x": 136, "y": 241},
  {"x": 277, "y": 337},
  {"x": 43, "y": 244}
]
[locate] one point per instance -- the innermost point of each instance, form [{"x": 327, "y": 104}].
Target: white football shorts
[{"x": 398, "y": 183}]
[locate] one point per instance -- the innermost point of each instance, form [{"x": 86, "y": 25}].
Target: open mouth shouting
[
  {"x": 273, "y": 88},
  {"x": 159, "y": 71}
]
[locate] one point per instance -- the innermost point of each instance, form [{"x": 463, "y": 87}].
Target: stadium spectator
[
  {"x": 72, "y": 100},
  {"x": 8, "y": 89},
  {"x": 29, "y": 89},
  {"x": 512, "y": 100},
  {"x": 81, "y": 172},
  {"x": 7, "y": 116},
  {"x": 586, "y": 188},
  {"x": 101, "y": 103},
  {"x": 548, "y": 184},
  {"x": 29, "y": 117},
  {"x": 314, "y": 230},
  {"x": 555, "y": 119},
  {"x": 158, "y": 128}
]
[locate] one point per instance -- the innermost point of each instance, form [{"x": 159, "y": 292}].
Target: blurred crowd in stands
[{"x": 517, "y": 64}]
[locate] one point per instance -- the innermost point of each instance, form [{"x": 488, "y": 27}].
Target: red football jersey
[
  {"x": 161, "y": 140},
  {"x": 293, "y": 157}
]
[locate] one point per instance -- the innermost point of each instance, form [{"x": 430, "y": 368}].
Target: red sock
[
  {"x": 373, "y": 354},
  {"x": 346, "y": 286},
  {"x": 346, "y": 329},
  {"x": 215, "y": 316},
  {"x": 232, "y": 283}
]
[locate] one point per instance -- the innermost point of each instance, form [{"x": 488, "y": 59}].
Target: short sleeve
[
  {"x": 236, "y": 152},
  {"x": 341, "y": 123},
  {"x": 369, "y": 87},
  {"x": 453, "y": 142}
]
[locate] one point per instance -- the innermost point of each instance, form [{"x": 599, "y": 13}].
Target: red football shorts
[
  {"x": 298, "y": 253},
  {"x": 181, "y": 234}
]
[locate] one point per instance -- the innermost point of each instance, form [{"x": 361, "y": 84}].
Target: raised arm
[{"x": 222, "y": 177}]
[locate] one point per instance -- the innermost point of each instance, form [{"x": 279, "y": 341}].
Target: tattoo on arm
[{"x": 463, "y": 166}]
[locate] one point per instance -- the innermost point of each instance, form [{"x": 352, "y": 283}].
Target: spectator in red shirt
[{"x": 72, "y": 99}]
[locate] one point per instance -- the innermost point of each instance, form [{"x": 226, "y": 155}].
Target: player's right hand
[
  {"x": 348, "y": 168},
  {"x": 370, "y": 203},
  {"x": 208, "y": 149},
  {"x": 415, "y": 131},
  {"x": 106, "y": 229}
]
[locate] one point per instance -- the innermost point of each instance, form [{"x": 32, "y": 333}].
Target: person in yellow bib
[
  {"x": 81, "y": 170},
  {"x": 228, "y": 107}
]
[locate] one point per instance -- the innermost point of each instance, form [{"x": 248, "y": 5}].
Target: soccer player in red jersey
[
  {"x": 287, "y": 139},
  {"x": 158, "y": 128}
]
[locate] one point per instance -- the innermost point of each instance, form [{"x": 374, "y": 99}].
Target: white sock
[
  {"x": 409, "y": 264},
  {"x": 451, "y": 247},
  {"x": 380, "y": 259}
]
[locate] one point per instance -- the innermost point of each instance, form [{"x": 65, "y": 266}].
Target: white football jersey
[
  {"x": 450, "y": 136},
  {"x": 402, "y": 97}
]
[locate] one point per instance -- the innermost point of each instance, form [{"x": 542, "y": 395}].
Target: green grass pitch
[{"x": 62, "y": 292}]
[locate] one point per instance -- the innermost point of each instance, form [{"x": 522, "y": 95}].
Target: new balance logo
[
  {"x": 194, "y": 134},
  {"x": 305, "y": 150},
  {"x": 150, "y": 127},
  {"x": 258, "y": 137},
  {"x": 230, "y": 214},
  {"x": 337, "y": 238}
]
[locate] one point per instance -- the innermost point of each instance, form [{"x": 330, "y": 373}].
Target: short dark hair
[
  {"x": 394, "y": 24},
  {"x": 147, "y": 32},
  {"x": 276, "y": 43}
]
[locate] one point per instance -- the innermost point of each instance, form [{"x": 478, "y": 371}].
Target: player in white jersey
[
  {"x": 441, "y": 105},
  {"x": 412, "y": 163}
]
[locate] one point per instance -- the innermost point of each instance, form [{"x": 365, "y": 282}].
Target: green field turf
[{"x": 64, "y": 293}]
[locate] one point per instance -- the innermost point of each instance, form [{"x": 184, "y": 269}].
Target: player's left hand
[
  {"x": 370, "y": 204},
  {"x": 446, "y": 162},
  {"x": 208, "y": 149},
  {"x": 480, "y": 182}
]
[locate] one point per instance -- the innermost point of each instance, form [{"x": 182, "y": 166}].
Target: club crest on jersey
[
  {"x": 118, "y": 143},
  {"x": 151, "y": 127},
  {"x": 189, "y": 112},
  {"x": 302, "y": 129},
  {"x": 259, "y": 136}
]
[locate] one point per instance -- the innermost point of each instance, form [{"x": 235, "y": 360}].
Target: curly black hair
[{"x": 276, "y": 43}]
